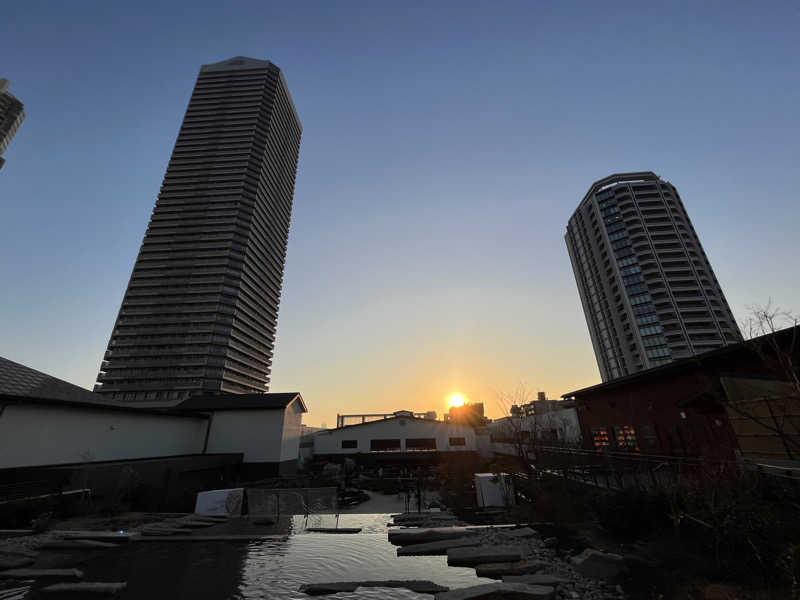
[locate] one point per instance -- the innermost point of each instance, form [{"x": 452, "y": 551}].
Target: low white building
[
  {"x": 266, "y": 428},
  {"x": 401, "y": 433},
  {"x": 45, "y": 421}
]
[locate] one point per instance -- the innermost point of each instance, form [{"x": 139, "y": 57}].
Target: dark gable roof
[
  {"x": 23, "y": 382},
  {"x": 241, "y": 402},
  {"x": 679, "y": 365}
]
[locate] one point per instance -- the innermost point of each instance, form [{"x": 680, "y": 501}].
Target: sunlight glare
[{"x": 456, "y": 400}]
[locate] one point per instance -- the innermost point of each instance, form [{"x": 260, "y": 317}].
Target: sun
[{"x": 456, "y": 400}]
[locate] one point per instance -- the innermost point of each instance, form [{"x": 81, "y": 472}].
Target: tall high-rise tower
[
  {"x": 12, "y": 114},
  {"x": 648, "y": 291},
  {"x": 201, "y": 308}
]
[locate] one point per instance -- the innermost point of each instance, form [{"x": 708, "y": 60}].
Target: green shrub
[{"x": 630, "y": 512}]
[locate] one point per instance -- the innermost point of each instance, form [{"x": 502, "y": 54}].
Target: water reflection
[{"x": 267, "y": 568}]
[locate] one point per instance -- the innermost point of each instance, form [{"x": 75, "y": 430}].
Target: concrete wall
[
  {"x": 32, "y": 435},
  {"x": 330, "y": 442},
  {"x": 258, "y": 434}
]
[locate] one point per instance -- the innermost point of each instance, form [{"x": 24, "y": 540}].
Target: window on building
[
  {"x": 625, "y": 436},
  {"x": 384, "y": 445},
  {"x": 458, "y": 441},
  {"x": 600, "y": 438},
  {"x": 420, "y": 444},
  {"x": 349, "y": 444}
]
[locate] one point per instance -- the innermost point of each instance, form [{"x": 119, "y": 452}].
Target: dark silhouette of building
[
  {"x": 648, "y": 291},
  {"x": 470, "y": 413},
  {"x": 201, "y": 308},
  {"x": 12, "y": 114}
]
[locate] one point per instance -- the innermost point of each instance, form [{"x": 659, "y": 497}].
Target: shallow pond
[{"x": 264, "y": 569}]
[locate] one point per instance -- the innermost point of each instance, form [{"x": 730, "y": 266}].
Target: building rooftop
[
  {"x": 680, "y": 365},
  {"x": 19, "y": 380},
  {"x": 241, "y": 402}
]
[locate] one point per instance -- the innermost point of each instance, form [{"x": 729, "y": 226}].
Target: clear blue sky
[{"x": 445, "y": 146}]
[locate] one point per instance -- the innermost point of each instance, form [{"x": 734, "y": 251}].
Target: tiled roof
[{"x": 19, "y": 380}]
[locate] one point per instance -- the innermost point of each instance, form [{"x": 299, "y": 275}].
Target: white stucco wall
[
  {"x": 292, "y": 425},
  {"x": 33, "y": 435},
  {"x": 330, "y": 442},
  {"x": 257, "y": 433}
]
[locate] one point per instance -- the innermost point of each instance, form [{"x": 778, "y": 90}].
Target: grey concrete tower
[
  {"x": 12, "y": 114},
  {"x": 648, "y": 291},
  {"x": 200, "y": 311}
]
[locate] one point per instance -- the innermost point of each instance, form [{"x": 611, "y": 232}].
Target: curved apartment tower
[
  {"x": 12, "y": 113},
  {"x": 201, "y": 308},
  {"x": 647, "y": 288}
]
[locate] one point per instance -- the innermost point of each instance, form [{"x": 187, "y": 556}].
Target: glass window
[
  {"x": 349, "y": 444},
  {"x": 625, "y": 436},
  {"x": 420, "y": 444},
  {"x": 458, "y": 441},
  {"x": 600, "y": 438},
  {"x": 390, "y": 445}
]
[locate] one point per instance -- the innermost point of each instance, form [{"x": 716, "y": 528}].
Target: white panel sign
[{"x": 220, "y": 502}]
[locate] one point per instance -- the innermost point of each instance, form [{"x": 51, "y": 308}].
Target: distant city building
[
  {"x": 648, "y": 291},
  {"x": 200, "y": 312},
  {"x": 470, "y": 413},
  {"x": 12, "y": 114}
]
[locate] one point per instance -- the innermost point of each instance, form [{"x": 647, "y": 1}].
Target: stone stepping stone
[
  {"x": 499, "y": 569},
  {"x": 418, "y": 586},
  {"x": 86, "y": 587},
  {"x": 195, "y": 524},
  {"x": 77, "y": 545},
  {"x": 15, "y": 562},
  {"x": 441, "y": 547},
  {"x": 469, "y": 557},
  {"x": 404, "y": 537},
  {"x": 537, "y": 579},
  {"x": 39, "y": 573},
  {"x": 500, "y": 591},
  {"x": 522, "y": 532},
  {"x": 97, "y": 536},
  {"x": 162, "y": 531},
  {"x": 334, "y": 529}
]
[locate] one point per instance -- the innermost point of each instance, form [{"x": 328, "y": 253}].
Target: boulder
[
  {"x": 468, "y": 557},
  {"x": 439, "y": 547},
  {"x": 537, "y": 579},
  {"x": 500, "y": 591},
  {"x": 550, "y": 542},
  {"x": 499, "y": 569},
  {"x": 598, "y": 565}
]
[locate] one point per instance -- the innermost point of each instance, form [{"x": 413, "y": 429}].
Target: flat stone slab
[
  {"x": 440, "y": 547},
  {"x": 468, "y": 557},
  {"x": 522, "y": 532},
  {"x": 15, "y": 562},
  {"x": 499, "y": 569},
  {"x": 404, "y": 537},
  {"x": 97, "y": 536},
  {"x": 77, "y": 545},
  {"x": 39, "y": 573},
  {"x": 161, "y": 531},
  {"x": 87, "y": 587},
  {"x": 208, "y": 538},
  {"x": 322, "y": 589},
  {"x": 500, "y": 591},
  {"x": 537, "y": 579},
  {"x": 334, "y": 529},
  {"x": 194, "y": 524}
]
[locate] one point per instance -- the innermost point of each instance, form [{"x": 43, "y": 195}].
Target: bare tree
[
  {"x": 772, "y": 333},
  {"x": 519, "y": 428}
]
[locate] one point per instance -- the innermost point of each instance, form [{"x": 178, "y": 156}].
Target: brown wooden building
[{"x": 735, "y": 401}]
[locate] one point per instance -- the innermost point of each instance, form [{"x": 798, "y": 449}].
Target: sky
[{"x": 445, "y": 146}]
